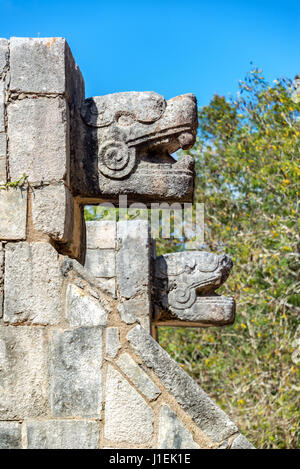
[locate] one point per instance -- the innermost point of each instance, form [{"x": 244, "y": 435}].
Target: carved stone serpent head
[{"x": 129, "y": 139}]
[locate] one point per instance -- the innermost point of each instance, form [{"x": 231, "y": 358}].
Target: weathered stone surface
[
  {"x": 206, "y": 270},
  {"x": 1, "y": 263},
  {"x": 3, "y": 55},
  {"x": 224, "y": 445},
  {"x": 2, "y": 106},
  {"x": 108, "y": 285},
  {"x": 2, "y": 158},
  {"x": 137, "y": 308},
  {"x": 62, "y": 434},
  {"x": 172, "y": 433},
  {"x": 133, "y": 271},
  {"x": 13, "y": 212},
  {"x": 127, "y": 416},
  {"x": 75, "y": 371},
  {"x": 2, "y": 145},
  {"x": 1, "y": 280},
  {"x": 205, "y": 413},
  {"x": 126, "y": 315},
  {"x": 101, "y": 234},
  {"x": 131, "y": 137},
  {"x": 38, "y": 143},
  {"x": 38, "y": 64},
  {"x": 52, "y": 211},
  {"x": 33, "y": 283},
  {"x": 100, "y": 263},
  {"x": 83, "y": 310},
  {"x": 10, "y": 435},
  {"x": 23, "y": 375},
  {"x": 240, "y": 442},
  {"x": 112, "y": 341},
  {"x": 139, "y": 378},
  {"x": 2, "y": 171}
]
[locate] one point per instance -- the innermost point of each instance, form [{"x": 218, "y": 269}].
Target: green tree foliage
[{"x": 247, "y": 156}]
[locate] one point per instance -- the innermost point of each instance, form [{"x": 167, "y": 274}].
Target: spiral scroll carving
[
  {"x": 116, "y": 160},
  {"x": 182, "y": 298}
]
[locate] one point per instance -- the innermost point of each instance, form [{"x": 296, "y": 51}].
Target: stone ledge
[{"x": 52, "y": 211}]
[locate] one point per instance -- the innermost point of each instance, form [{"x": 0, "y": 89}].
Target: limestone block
[
  {"x": 172, "y": 433},
  {"x": 38, "y": 139},
  {"x": 75, "y": 371},
  {"x": 23, "y": 374},
  {"x": 205, "y": 413},
  {"x": 52, "y": 211},
  {"x": 3, "y": 55},
  {"x": 62, "y": 434},
  {"x": 139, "y": 378},
  {"x": 2, "y": 106},
  {"x": 2, "y": 158},
  {"x": 1, "y": 263},
  {"x": 108, "y": 285},
  {"x": 137, "y": 308},
  {"x": 133, "y": 265},
  {"x": 1, "y": 280},
  {"x": 240, "y": 442},
  {"x": 127, "y": 416},
  {"x": 126, "y": 315},
  {"x": 38, "y": 64},
  {"x": 10, "y": 435},
  {"x": 112, "y": 341},
  {"x": 100, "y": 263},
  {"x": 33, "y": 283},
  {"x": 101, "y": 234},
  {"x": 2, "y": 171},
  {"x": 2, "y": 144},
  {"x": 13, "y": 213},
  {"x": 83, "y": 310}
]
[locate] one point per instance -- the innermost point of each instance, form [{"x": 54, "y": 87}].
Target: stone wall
[{"x": 78, "y": 366}]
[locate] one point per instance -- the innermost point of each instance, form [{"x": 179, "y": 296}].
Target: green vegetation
[
  {"x": 247, "y": 176},
  {"x": 18, "y": 183}
]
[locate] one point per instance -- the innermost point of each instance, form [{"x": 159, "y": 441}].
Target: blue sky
[{"x": 168, "y": 46}]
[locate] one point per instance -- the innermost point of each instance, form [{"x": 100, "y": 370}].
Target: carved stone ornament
[
  {"x": 130, "y": 136},
  {"x": 185, "y": 285}
]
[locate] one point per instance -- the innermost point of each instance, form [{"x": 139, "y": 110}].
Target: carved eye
[
  {"x": 115, "y": 159},
  {"x": 125, "y": 120}
]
